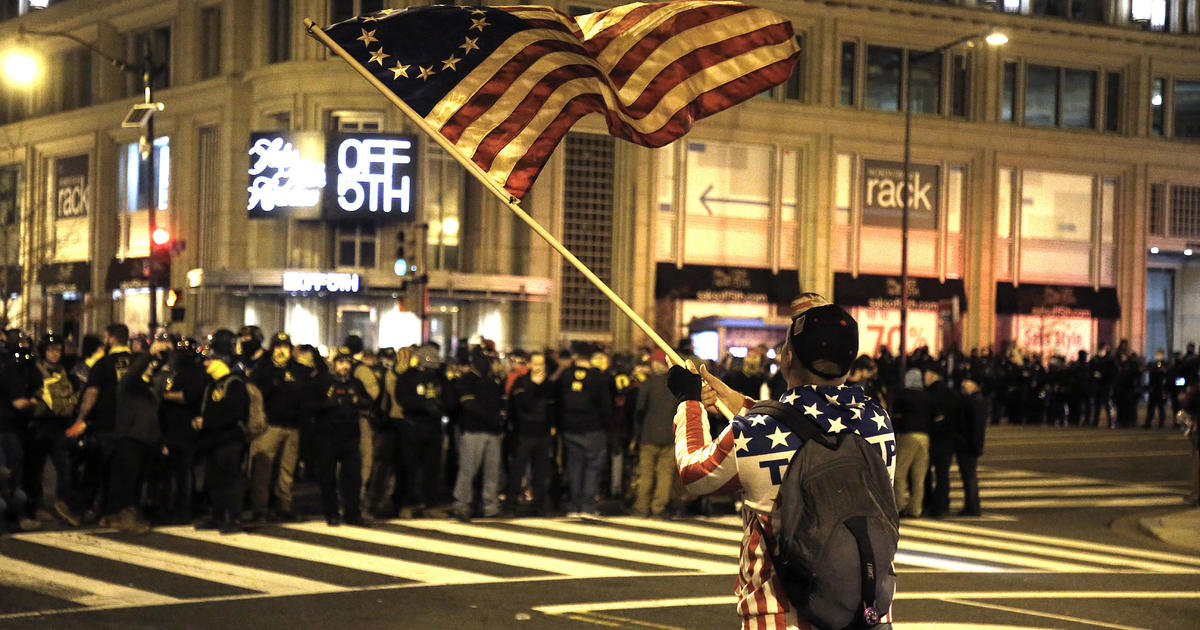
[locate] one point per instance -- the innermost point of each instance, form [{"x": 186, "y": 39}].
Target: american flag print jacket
[{"x": 752, "y": 454}]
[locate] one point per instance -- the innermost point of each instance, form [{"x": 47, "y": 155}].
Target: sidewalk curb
[{"x": 1178, "y": 528}]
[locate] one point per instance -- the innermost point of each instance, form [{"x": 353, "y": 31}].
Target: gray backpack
[{"x": 835, "y": 526}]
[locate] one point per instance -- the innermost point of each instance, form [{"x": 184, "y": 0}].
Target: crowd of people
[{"x": 140, "y": 431}]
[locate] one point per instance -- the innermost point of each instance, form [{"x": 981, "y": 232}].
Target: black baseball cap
[{"x": 824, "y": 339}]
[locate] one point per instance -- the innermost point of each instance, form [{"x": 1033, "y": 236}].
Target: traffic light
[
  {"x": 160, "y": 255},
  {"x": 402, "y": 254},
  {"x": 175, "y": 303}
]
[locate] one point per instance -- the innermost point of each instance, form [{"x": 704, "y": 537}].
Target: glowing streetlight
[{"x": 21, "y": 67}]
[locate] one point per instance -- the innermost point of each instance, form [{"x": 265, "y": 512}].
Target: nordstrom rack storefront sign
[{"x": 342, "y": 176}]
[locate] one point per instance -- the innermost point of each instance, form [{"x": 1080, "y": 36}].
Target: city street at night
[{"x": 1060, "y": 545}]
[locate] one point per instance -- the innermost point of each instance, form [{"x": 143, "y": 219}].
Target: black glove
[{"x": 683, "y": 383}]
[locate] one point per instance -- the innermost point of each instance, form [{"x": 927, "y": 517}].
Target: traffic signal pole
[{"x": 152, "y": 194}]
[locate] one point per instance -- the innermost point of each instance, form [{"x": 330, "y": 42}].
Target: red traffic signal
[{"x": 161, "y": 237}]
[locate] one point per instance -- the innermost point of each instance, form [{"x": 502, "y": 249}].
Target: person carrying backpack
[{"x": 819, "y": 519}]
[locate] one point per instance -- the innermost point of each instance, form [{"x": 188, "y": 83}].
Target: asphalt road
[{"x": 1057, "y": 547}]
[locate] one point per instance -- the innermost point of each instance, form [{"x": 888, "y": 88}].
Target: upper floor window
[
  {"x": 348, "y": 120},
  {"x": 1039, "y": 95},
  {"x": 935, "y": 83},
  {"x": 357, "y": 245},
  {"x": 1175, "y": 108},
  {"x": 1078, "y": 10},
  {"x": 340, "y": 10},
  {"x": 210, "y": 42},
  {"x": 157, "y": 42},
  {"x": 279, "y": 30},
  {"x": 1151, "y": 14},
  {"x": 137, "y": 175}
]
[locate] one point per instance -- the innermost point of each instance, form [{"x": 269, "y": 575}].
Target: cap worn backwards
[{"x": 825, "y": 340}]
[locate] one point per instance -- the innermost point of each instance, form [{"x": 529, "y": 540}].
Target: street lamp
[
  {"x": 993, "y": 38},
  {"x": 22, "y": 68}
]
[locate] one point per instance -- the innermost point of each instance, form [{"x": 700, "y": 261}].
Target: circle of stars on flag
[{"x": 400, "y": 69}]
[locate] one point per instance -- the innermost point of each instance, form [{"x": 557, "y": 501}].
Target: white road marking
[
  {"x": 209, "y": 570},
  {"x": 80, "y": 589},
  {"x": 337, "y": 557},
  {"x": 499, "y": 556},
  {"x": 600, "y": 531}
]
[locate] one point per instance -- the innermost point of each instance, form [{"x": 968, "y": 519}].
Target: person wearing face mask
[
  {"x": 1156, "y": 390},
  {"x": 186, "y": 384},
  {"x": 530, "y": 412},
  {"x": 95, "y": 421},
  {"x": 58, "y": 397},
  {"x": 284, "y": 383},
  {"x": 475, "y": 400},
  {"x": 250, "y": 350},
  {"x": 655, "y": 441},
  {"x": 339, "y": 468},
  {"x": 221, "y": 443},
  {"x": 414, "y": 453},
  {"x": 584, "y": 396}
]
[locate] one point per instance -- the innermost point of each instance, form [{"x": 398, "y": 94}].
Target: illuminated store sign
[
  {"x": 343, "y": 176},
  {"x": 308, "y": 282}
]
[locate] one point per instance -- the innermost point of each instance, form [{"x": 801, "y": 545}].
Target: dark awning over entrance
[
  {"x": 131, "y": 273},
  {"x": 725, "y": 284},
  {"x": 1052, "y": 299},
  {"x": 12, "y": 279},
  {"x": 63, "y": 277},
  {"x": 876, "y": 291}
]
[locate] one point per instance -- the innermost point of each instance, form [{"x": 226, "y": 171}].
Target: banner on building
[
  {"x": 1057, "y": 300},
  {"x": 340, "y": 176},
  {"x": 876, "y": 291},
  {"x": 725, "y": 284},
  {"x": 71, "y": 277},
  {"x": 71, "y": 187},
  {"x": 884, "y": 193}
]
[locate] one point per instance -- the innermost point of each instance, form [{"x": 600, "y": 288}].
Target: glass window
[
  {"x": 1056, "y": 206},
  {"x": 74, "y": 89},
  {"x": 1078, "y": 99},
  {"x": 787, "y": 176},
  {"x": 1186, "y": 104},
  {"x": 1108, "y": 201},
  {"x": 848, "y": 66},
  {"x": 1008, "y": 101},
  {"x": 883, "y": 78},
  {"x": 1041, "y": 95},
  {"x": 137, "y": 174},
  {"x": 1087, "y": 10},
  {"x": 345, "y": 9},
  {"x": 443, "y": 209},
  {"x": 159, "y": 42},
  {"x": 1004, "y": 189},
  {"x": 793, "y": 89},
  {"x": 210, "y": 42},
  {"x": 356, "y": 245},
  {"x": 1112, "y": 102},
  {"x": 845, "y": 188},
  {"x": 10, "y": 199},
  {"x": 1156, "y": 107},
  {"x": 279, "y": 30},
  {"x": 959, "y": 85},
  {"x": 926, "y": 82},
  {"x": 728, "y": 201},
  {"x": 954, "y": 200}
]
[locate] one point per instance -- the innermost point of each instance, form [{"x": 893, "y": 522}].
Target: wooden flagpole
[{"x": 503, "y": 195}]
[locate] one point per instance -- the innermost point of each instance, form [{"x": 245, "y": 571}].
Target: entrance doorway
[{"x": 1160, "y": 310}]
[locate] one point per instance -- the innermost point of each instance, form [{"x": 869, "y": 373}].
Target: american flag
[{"x": 504, "y": 84}]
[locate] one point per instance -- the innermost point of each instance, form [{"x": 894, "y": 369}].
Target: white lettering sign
[
  {"x": 281, "y": 178},
  {"x": 72, "y": 196},
  {"x": 366, "y": 176},
  {"x": 306, "y": 282}
]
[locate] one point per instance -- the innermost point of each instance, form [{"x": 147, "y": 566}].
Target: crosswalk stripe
[
  {"x": 1025, "y": 483},
  {"x": 350, "y": 559},
  {"x": 682, "y": 527},
  {"x": 1003, "y": 559},
  {"x": 76, "y": 588},
  {"x": 616, "y": 533},
  {"x": 1083, "y": 556},
  {"x": 404, "y": 541},
  {"x": 929, "y": 561},
  {"x": 210, "y": 570},
  {"x": 1069, "y": 491},
  {"x": 1064, "y": 542},
  {"x": 1085, "y": 502},
  {"x": 649, "y": 557}
]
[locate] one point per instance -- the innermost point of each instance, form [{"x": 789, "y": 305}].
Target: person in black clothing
[
  {"x": 1127, "y": 389},
  {"x": 182, "y": 402},
  {"x": 1102, "y": 375},
  {"x": 58, "y": 398},
  {"x": 585, "y": 405},
  {"x": 287, "y": 399},
  {"x": 222, "y": 439},
  {"x": 913, "y": 412},
  {"x": 530, "y": 413},
  {"x": 942, "y": 439},
  {"x": 747, "y": 376},
  {"x": 1078, "y": 390},
  {"x": 16, "y": 400},
  {"x": 412, "y": 444},
  {"x": 138, "y": 437},
  {"x": 475, "y": 401},
  {"x": 339, "y": 458},
  {"x": 968, "y": 443},
  {"x": 95, "y": 421},
  {"x": 1156, "y": 391}
]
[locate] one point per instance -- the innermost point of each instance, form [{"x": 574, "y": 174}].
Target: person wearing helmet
[
  {"x": 249, "y": 349},
  {"x": 415, "y": 450},
  {"x": 284, "y": 385},
  {"x": 58, "y": 397},
  {"x": 182, "y": 401},
  {"x": 339, "y": 459},
  {"x": 221, "y": 442},
  {"x": 475, "y": 403}
]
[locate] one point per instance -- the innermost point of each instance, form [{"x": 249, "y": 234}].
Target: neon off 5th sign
[{"x": 371, "y": 175}]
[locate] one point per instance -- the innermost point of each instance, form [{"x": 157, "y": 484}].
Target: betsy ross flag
[{"x": 504, "y": 84}]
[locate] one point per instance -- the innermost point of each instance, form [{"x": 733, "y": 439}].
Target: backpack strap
[
  {"x": 794, "y": 420},
  {"x": 866, "y": 564}
]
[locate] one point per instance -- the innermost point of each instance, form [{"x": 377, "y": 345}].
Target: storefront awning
[
  {"x": 725, "y": 284},
  {"x": 1051, "y": 299},
  {"x": 876, "y": 291},
  {"x": 131, "y": 273},
  {"x": 66, "y": 277}
]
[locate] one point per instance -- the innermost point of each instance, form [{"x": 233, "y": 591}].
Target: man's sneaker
[
  {"x": 29, "y": 524},
  {"x": 333, "y": 520},
  {"x": 462, "y": 516},
  {"x": 356, "y": 520},
  {"x": 64, "y": 512},
  {"x": 206, "y": 523},
  {"x": 229, "y": 527},
  {"x": 128, "y": 521}
]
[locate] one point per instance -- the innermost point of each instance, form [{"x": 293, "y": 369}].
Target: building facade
[{"x": 1055, "y": 189}]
